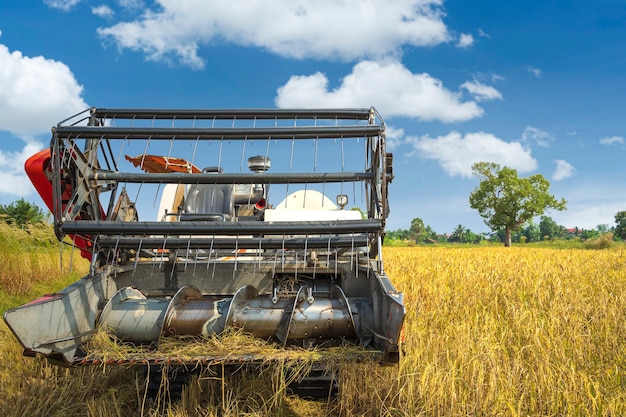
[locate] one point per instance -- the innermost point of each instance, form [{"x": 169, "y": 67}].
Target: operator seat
[{"x": 209, "y": 202}]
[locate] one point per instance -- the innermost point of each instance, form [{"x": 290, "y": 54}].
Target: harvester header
[{"x": 197, "y": 221}]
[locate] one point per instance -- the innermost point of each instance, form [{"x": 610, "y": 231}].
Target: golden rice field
[{"x": 490, "y": 331}]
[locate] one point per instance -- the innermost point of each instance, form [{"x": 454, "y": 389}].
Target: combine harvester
[{"x": 218, "y": 250}]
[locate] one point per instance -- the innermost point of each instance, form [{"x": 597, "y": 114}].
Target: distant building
[{"x": 573, "y": 231}]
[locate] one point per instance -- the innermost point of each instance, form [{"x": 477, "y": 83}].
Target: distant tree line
[
  {"x": 508, "y": 204},
  {"x": 419, "y": 233},
  {"x": 546, "y": 229}
]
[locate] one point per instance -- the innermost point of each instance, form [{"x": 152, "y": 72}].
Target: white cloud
[
  {"x": 64, "y": 5},
  {"x": 325, "y": 29},
  {"x": 13, "y": 180},
  {"x": 394, "y": 137},
  {"x": 533, "y": 135},
  {"x": 36, "y": 93},
  {"x": 612, "y": 140},
  {"x": 590, "y": 203},
  {"x": 589, "y": 215},
  {"x": 481, "y": 91},
  {"x": 457, "y": 153},
  {"x": 563, "y": 170},
  {"x": 535, "y": 72},
  {"x": 103, "y": 11},
  {"x": 465, "y": 40},
  {"x": 389, "y": 86}
]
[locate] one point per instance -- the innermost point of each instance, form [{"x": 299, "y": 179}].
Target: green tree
[
  {"x": 458, "y": 234},
  {"x": 620, "y": 229},
  {"x": 589, "y": 234},
  {"x": 21, "y": 212},
  {"x": 470, "y": 237},
  {"x": 548, "y": 227},
  {"x": 464, "y": 235},
  {"x": 417, "y": 231},
  {"x": 506, "y": 201},
  {"x": 430, "y": 234},
  {"x": 531, "y": 231},
  {"x": 399, "y": 234}
]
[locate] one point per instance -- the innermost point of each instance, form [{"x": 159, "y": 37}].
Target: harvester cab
[{"x": 196, "y": 222}]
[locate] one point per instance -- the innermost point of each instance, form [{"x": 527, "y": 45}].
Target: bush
[
  {"x": 21, "y": 212},
  {"x": 604, "y": 241}
]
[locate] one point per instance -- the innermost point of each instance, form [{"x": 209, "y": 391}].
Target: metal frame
[{"x": 92, "y": 171}]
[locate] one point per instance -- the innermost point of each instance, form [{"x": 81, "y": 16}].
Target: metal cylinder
[
  {"x": 133, "y": 317},
  {"x": 137, "y": 319},
  {"x": 197, "y": 317},
  {"x": 260, "y": 316},
  {"x": 325, "y": 318}
]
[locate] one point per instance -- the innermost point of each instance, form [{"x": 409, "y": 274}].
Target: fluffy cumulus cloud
[
  {"x": 36, "y": 93},
  {"x": 456, "y": 153},
  {"x": 394, "y": 137},
  {"x": 563, "y": 170},
  {"x": 389, "y": 86},
  {"x": 326, "y": 29}
]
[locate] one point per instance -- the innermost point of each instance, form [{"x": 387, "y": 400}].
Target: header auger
[{"x": 199, "y": 221}]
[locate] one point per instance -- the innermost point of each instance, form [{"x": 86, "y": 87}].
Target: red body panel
[{"x": 38, "y": 170}]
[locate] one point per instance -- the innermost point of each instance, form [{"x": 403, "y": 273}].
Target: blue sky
[{"x": 537, "y": 85}]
